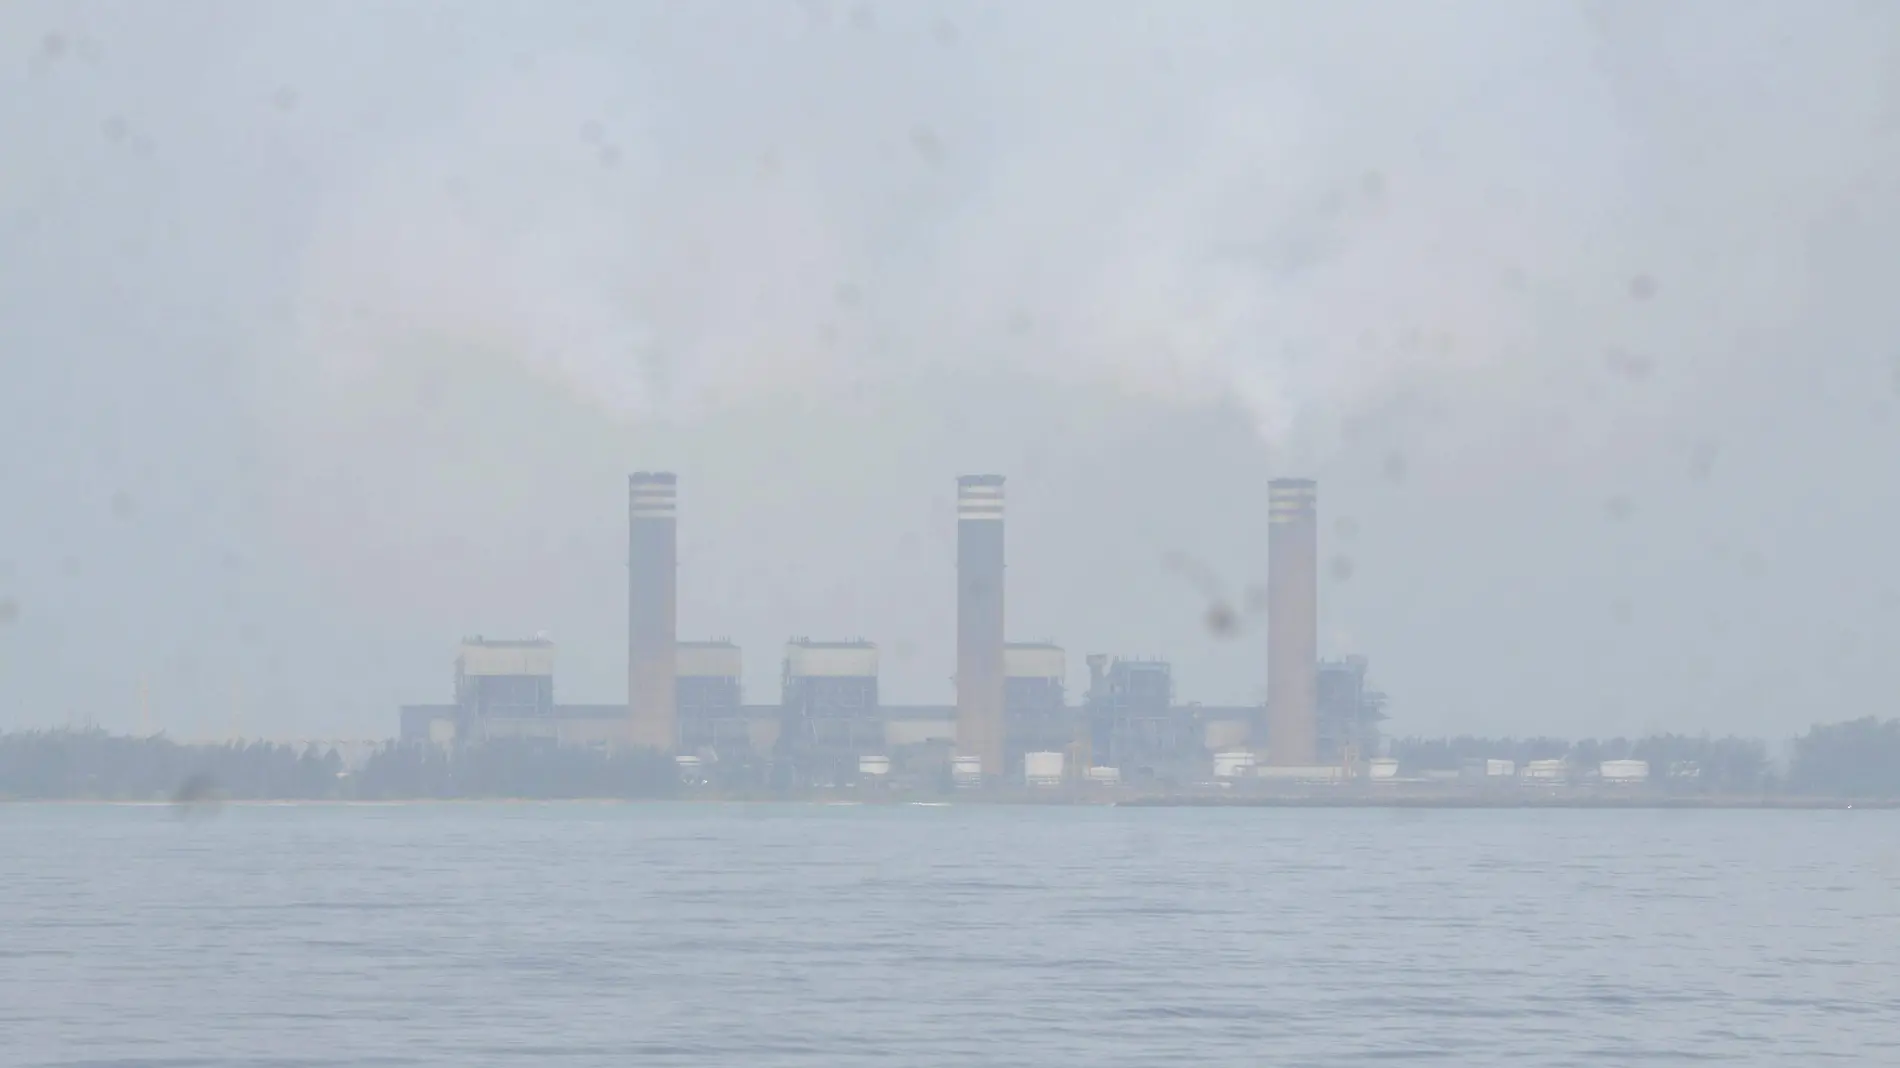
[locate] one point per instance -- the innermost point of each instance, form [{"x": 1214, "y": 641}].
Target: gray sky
[{"x": 331, "y": 330}]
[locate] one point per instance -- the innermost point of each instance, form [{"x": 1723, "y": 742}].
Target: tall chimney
[
  {"x": 1292, "y": 622},
  {"x": 652, "y": 563},
  {"x": 980, "y": 620}
]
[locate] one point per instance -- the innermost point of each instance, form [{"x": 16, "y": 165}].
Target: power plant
[{"x": 1012, "y": 724}]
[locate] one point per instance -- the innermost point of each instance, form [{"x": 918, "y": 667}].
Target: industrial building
[
  {"x": 1348, "y": 710},
  {"x": 1012, "y": 705},
  {"x": 708, "y": 696},
  {"x": 504, "y": 679},
  {"x": 829, "y": 710},
  {"x": 1133, "y": 721},
  {"x": 504, "y": 688},
  {"x": 1036, "y": 712}
]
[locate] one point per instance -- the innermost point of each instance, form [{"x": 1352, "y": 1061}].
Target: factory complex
[{"x": 1013, "y": 725}]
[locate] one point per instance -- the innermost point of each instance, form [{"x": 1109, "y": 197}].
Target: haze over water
[
  {"x": 583, "y": 934},
  {"x": 331, "y": 332}
]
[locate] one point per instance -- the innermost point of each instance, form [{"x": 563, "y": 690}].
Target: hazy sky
[{"x": 330, "y": 332}]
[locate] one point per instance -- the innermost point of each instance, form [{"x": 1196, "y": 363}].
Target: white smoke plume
[
  {"x": 1208, "y": 208},
  {"x": 440, "y": 275}
]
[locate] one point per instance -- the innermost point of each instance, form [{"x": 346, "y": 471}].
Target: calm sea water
[{"x": 583, "y": 934}]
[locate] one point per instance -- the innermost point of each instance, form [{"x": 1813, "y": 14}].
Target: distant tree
[
  {"x": 1735, "y": 766},
  {"x": 91, "y": 764},
  {"x": 1858, "y": 758},
  {"x": 1450, "y": 754},
  {"x": 1590, "y": 753},
  {"x": 1716, "y": 765},
  {"x": 520, "y": 768}
]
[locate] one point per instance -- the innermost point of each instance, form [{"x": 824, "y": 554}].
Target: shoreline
[
  {"x": 1647, "y": 804},
  {"x": 1292, "y": 801}
]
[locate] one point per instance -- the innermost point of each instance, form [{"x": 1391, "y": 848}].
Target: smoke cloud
[
  {"x": 1202, "y": 210},
  {"x": 462, "y": 267},
  {"x": 1308, "y": 214}
]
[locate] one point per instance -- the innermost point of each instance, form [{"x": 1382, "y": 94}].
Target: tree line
[
  {"x": 1853, "y": 759},
  {"x": 95, "y": 765},
  {"x": 1856, "y": 758}
]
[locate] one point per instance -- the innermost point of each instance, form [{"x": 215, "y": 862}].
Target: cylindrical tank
[
  {"x": 1624, "y": 770},
  {"x": 1309, "y": 773},
  {"x": 1546, "y": 771},
  {"x": 966, "y": 770},
  {"x": 1042, "y": 769},
  {"x": 1233, "y": 764}
]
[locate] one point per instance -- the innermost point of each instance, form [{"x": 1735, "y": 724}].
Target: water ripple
[{"x": 795, "y": 937}]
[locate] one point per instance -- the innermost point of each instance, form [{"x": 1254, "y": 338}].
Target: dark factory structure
[
  {"x": 709, "y": 698},
  {"x": 652, "y": 574},
  {"x": 980, "y": 677},
  {"x": 1014, "y": 723},
  {"x": 1133, "y": 721},
  {"x": 1292, "y": 622},
  {"x": 1349, "y": 709},
  {"x": 830, "y": 714},
  {"x": 1036, "y": 713}
]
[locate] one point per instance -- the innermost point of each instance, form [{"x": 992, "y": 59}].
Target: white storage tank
[
  {"x": 1233, "y": 764},
  {"x": 1627, "y": 771},
  {"x": 1299, "y": 773},
  {"x": 1042, "y": 769},
  {"x": 689, "y": 766},
  {"x": 875, "y": 766},
  {"x": 1382, "y": 768},
  {"x": 1546, "y": 771},
  {"x": 966, "y": 771},
  {"x": 1102, "y": 776}
]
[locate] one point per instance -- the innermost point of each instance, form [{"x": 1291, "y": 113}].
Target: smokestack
[
  {"x": 1292, "y": 622},
  {"x": 980, "y": 620},
  {"x": 652, "y": 571}
]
